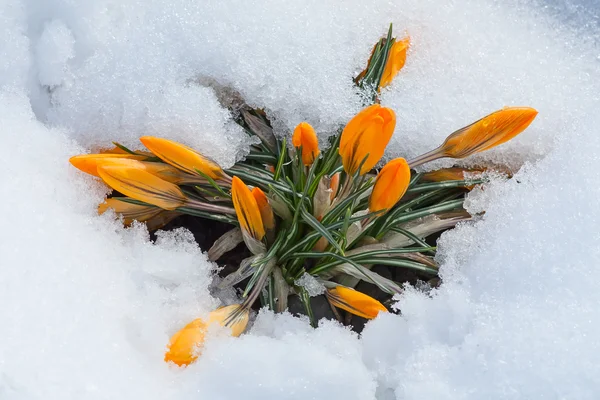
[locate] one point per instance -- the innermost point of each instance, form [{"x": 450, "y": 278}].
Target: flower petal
[
  {"x": 395, "y": 62},
  {"x": 247, "y": 209},
  {"x": 305, "y": 137},
  {"x": 186, "y": 344},
  {"x": 390, "y": 185},
  {"x": 490, "y": 131},
  {"x": 355, "y": 302},
  {"x": 266, "y": 212},
  {"x": 182, "y": 157},
  {"x": 143, "y": 186},
  {"x": 88, "y": 163}
]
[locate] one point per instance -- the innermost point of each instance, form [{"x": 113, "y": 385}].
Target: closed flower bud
[
  {"x": 183, "y": 157},
  {"x": 490, "y": 131},
  {"x": 390, "y": 185},
  {"x": 130, "y": 212},
  {"x": 143, "y": 186},
  {"x": 365, "y": 137},
  {"x": 154, "y": 217},
  {"x": 355, "y": 302},
  {"x": 266, "y": 212},
  {"x": 185, "y": 346},
  {"x": 451, "y": 174},
  {"x": 305, "y": 137},
  {"x": 395, "y": 61},
  {"x": 247, "y": 209},
  {"x": 334, "y": 185},
  {"x": 88, "y": 163},
  {"x": 159, "y": 169}
]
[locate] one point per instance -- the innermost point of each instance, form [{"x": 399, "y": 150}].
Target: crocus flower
[
  {"x": 159, "y": 169},
  {"x": 143, "y": 186},
  {"x": 451, "y": 174},
  {"x": 161, "y": 219},
  {"x": 266, "y": 212},
  {"x": 390, "y": 185},
  {"x": 183, "y": 157},
  {"x": 185, "y": 345},
  {"x": 365, "y": 137},
  {"x": 334, "y": 185},
  {"x": 488, "y": 132},
  {"x": 130, "y": 212},
  {"x": 88, "y": 163},
  {"x": 305, "y": 137},
  {"x": 247, "y": 210},
  {"x": 355, "y": 302},
  {"x": 154, "y": 217},
  {"x": 395, "y": 61}
]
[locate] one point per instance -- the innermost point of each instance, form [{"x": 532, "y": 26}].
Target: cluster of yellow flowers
[{"x": 303, "y": 210}]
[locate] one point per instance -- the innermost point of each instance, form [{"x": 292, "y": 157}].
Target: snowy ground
[{"x": 87, "y": 306}]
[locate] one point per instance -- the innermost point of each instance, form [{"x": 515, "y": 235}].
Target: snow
[
  {"x": 312, "y": 286},
  {"x": 88, "y": 307}
]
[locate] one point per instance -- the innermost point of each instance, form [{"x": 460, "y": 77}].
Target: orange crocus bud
[
  {"x": 365, "y": 137},
  {"x": 183, "y": 157},
  {"x": 395, "y": 61},
  {"x": 490, "y": 131},
  {"x": 390, "y": 185},
  {"x": 451, "y": 174},
  {"x": 129, "y": 211},
  {"x": 334, "y": 185},
  {"x": 154, "y": 217},
  {"x": 247, "y": 210},
  {"x": 186, "y": 345},
  {"x": 143, "y": 186},
  {"x": 88, "y": 163},
  {"x": 159, "y": 169},
  {"x": 355, "y": 302},
  {"x": 266, "y": 212},
  {"x": 305, "y": 137}
]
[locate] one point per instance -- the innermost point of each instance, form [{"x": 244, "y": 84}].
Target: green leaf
[
  {"x": 425, "y": 187},
  {"x": 415, "y": 239},
  {"x": 312, "y": 221},
  {"x": 409, "y": 216},
  {"x": 305, "y": 299},
  {"x": 398, "y": 211},
  {"x": 125, "y": 149},
  {"x": 425, "y": 269},
  {"x": 316, "y": 235},
  {"x": 214, "y": 184},
  {"x": 262, "y": 157},
  {"x": 281, "y": 159},
  {"x": 359, "y": 258},
  {"x": 215, "y": 217},
  {"x": 271, "y": 293},
  {"x": 256, "y": 180},
  {"x": 414, "y": 179},
  {"x": 346, "y": 204}
]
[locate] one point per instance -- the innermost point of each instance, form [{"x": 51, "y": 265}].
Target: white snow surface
[{"x": 87, "y": 306}]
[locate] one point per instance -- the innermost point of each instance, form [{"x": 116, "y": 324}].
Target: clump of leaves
[{"x": 303, "y": 210}]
